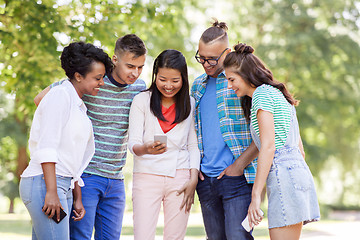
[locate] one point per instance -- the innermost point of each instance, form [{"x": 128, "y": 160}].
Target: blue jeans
[
  {"x": 224, "y": 205},
  {"x": 32, "y": 193},
  {"x": 104, "y": 203}
]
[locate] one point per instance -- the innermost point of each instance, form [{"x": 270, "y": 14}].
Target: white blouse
[
  {"x": 182, "y": 147},
  {"x": 62, "y": 133}
]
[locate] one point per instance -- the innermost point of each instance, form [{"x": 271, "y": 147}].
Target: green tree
[
  {"x": 8, "y": 150},
  {"x": 313, "y": 46},
  {"x": 33, "y": 34}
]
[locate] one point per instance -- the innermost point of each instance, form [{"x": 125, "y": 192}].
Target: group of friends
[{"x": 233, "y": 132}]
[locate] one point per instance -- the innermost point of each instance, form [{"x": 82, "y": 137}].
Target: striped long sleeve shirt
[{"x": 109, "y": 114}]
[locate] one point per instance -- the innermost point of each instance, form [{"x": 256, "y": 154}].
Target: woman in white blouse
[
  {"x": 61, "y": 144},
  {"x": 164, "y": 172}
]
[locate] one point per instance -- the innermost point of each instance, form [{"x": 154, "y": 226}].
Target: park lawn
[{"x": 17, "y": 226}]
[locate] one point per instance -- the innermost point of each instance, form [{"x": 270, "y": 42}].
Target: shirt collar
[
  {"x": 113, "y": 81},
  {"x": 74, "y": 94},
  {"x": 222, "y": 74},
  {"x": 206, "y": 77}
]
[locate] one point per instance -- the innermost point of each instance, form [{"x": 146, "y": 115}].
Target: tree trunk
[{"x": 11, "y": 206}]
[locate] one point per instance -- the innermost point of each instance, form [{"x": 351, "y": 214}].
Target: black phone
[{"x": 62, "y": 215}]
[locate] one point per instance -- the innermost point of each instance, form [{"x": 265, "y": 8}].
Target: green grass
[
  {"x": 17, "y": 226},
  {"x": 193, "y": 231}
]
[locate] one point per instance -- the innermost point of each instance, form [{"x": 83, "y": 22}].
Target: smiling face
[
  {"x": 169, "y": 83},
  {"x": 127, "y": 67},
  {"x": 238, "y": 84},
  {"x": 213, "y": 51},
  {"x": 90, "y": 83}
]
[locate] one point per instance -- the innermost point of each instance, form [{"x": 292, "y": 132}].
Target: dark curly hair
[{"x": 78, "y": 57}]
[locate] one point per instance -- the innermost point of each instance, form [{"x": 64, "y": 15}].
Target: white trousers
[{"x": 148, "y": 192}]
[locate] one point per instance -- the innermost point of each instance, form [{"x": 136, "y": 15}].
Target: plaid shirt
[{"x": 233, "y": 126}]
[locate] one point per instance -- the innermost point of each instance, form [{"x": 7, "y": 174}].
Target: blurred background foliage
[{"x": 312, "y": 46}]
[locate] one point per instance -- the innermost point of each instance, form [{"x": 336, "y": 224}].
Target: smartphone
[
  {"x": 62, "y": 216},
  {"x": 160, "y": 138},
  {"x": 246, "y": 224}
]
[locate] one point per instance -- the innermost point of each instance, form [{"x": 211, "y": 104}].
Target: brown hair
[
  {"x": 217, "y": 32},
  {"x": 253, "y": 71},
  {"x": 130, "y": 43}
]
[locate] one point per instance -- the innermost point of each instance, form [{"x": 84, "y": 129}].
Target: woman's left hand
[
  {"x": 79, "y": 211},
  {"x": 189, "y": 191},
  {"x": 254, "y": 212}
]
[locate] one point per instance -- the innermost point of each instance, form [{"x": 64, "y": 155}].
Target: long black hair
[{"x": 172, "y": 59}]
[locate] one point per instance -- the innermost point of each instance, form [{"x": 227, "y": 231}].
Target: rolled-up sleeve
[{"x": 50, "y": 119}]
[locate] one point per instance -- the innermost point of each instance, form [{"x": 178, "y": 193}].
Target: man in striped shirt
[
  {"x": 103, "y": 195},
  {"x": 227, "y": 171}
]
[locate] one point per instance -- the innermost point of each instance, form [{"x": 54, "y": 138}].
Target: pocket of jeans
[
  {"x": 26, "y": 189},
  {"x": 86, "y": 175},
  {"x": 300, "y": 177},
  {"x": 63, "y": 185},
  {"x": 234, "y": 177}
]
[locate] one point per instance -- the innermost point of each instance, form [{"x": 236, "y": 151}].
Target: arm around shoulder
[{"x": 41, "y": 95}]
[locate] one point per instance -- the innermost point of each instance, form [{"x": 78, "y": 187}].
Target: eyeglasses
[{"x": 210, "y": 61}]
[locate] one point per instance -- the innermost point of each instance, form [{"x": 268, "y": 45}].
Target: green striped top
[{"x": 271, "y": 99}]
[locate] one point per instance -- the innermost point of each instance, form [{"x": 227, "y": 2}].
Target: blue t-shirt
[{"x": 217, "y": 155}]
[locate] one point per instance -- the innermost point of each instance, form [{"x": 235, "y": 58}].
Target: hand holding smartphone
[
  {"x": 162, "y": 138},
  {"x": 246, "y": 223},
  {"x": 62, "y": 216}
]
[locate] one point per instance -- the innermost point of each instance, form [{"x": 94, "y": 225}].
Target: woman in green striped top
[{"x": 269, "y": 107}]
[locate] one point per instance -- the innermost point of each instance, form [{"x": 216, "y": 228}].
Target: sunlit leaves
[{"x": 314, "y": 47}]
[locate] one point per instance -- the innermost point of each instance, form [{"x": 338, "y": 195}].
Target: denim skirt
[{"x": 291, "y": 192}]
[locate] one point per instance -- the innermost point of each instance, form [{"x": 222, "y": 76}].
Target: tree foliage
[
  {"x": 33, "y": 33},
  {"x": 313, "y": 46}
]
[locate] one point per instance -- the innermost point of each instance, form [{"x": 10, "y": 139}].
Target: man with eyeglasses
[{"x": 227, "y": 155}]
